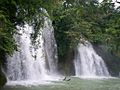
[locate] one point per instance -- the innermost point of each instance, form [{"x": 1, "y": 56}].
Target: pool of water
[{"x": 73, "y": 84}]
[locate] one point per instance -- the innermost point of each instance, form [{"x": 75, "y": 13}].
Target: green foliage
[
  {"x": 6, "y": 35},
  {"x": 88, "y": 19}
]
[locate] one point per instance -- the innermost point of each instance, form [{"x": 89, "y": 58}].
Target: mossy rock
[{"x": 3, "y": 79}]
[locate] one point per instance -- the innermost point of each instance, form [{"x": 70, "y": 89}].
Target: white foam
[
  {"x": 95, "y": 77},
  {"x": 49, "y": 80}
]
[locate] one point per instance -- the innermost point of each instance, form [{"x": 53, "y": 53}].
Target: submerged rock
[{"x": 67, "y": 79}]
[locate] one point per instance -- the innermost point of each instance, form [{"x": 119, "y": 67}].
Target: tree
[{"x": 86, "y": 19}]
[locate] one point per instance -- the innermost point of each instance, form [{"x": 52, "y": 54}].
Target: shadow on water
[{"x": 73, "y": 84}]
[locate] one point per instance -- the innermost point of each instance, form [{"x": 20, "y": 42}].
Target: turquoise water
[{"x": 74, "y": 84}]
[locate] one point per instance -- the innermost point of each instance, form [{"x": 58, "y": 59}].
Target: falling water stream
[
  {"x": 88, "y": 63},
  {"x": 50, "y": 46}
]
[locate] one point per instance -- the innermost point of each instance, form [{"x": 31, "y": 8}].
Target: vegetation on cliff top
[{"x": 89, "y": 19}]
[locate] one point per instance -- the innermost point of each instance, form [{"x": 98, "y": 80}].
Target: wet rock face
[
  {"x": 69, "y": 65},
  {"x": 66, "y": 67},
  {"x": 3, "y": 79}
]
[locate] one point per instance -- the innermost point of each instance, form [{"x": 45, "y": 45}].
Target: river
[{"x": 73, "y": 84}]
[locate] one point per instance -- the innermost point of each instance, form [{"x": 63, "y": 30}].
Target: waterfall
[
  {"x": 50, "y": 46},
  {"x": 33, "y": 62},
  {"x": 88, "y": 63}
]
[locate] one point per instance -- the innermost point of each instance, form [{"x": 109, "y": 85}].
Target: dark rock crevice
[{"x": 3, "y": 79}]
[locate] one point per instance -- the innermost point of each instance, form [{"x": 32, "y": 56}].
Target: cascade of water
[
  {"x": 23, "y": 65},
  {"x": 88, "y": 63},
  {"x": 50, "y": 46},
  {"x": 31, "y": 62}
]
